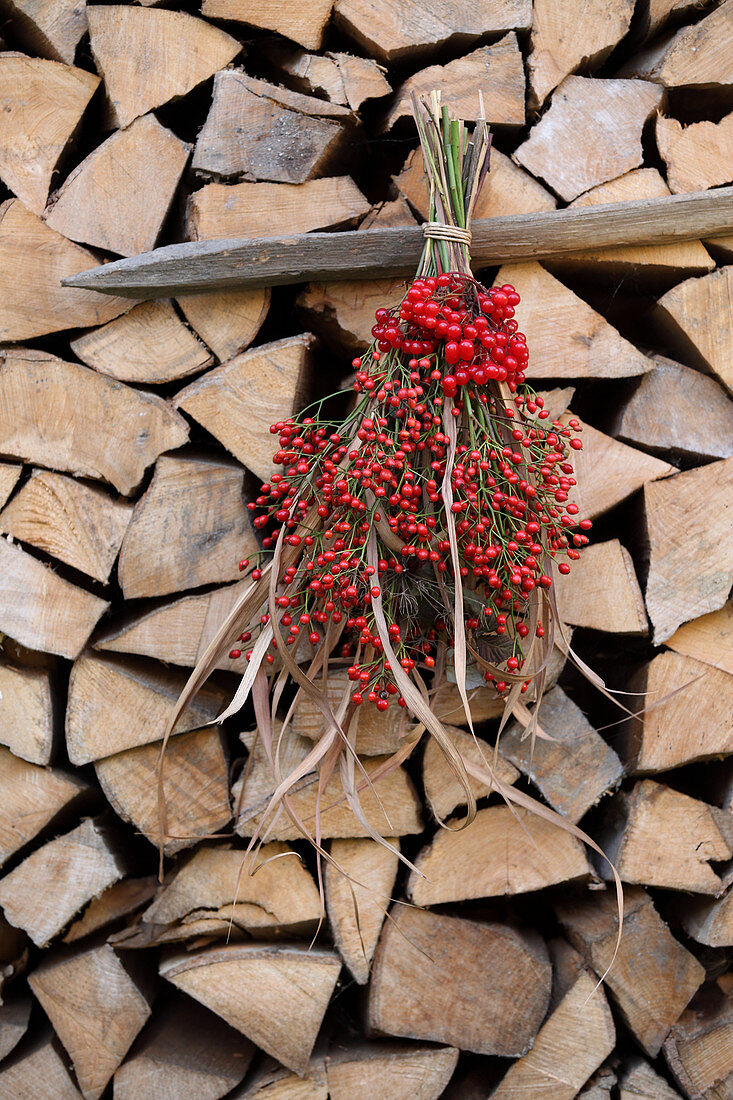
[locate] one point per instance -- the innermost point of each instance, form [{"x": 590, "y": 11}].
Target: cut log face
[
  {"x": 41, "y": 610},
  {"x": 566, "y": 337},
  {"x": 412, "y": 29},
  {"x": 443, "y": 790},
  {"x": 118, "y": 198},
  {"x": 343, "y": 312},
  {"x": 276, "y": 996},
  {"x": 652, "y": 978},
  {"x": 27, "y": 711},
  {"x": 376, "y": 733},
  {"x": 31, "y": 797},
  {"x": 479, "y": 987},
  {"x": 362, "y": 78},
  {"x": 39, "y": 1072},
  {"x": 9, "y": 475},
  {"x": 602, "y": 592},
  {"x": 239, "y": 401},
  {"x": 272, "y": 209},
  {"x": 54, "y": 414},
  {"x": 96, "y": 1010},
  {"x": 565, "y": 39},
  {"x": 697, "y": 156},
  {"x": 118, "y": 703},
  {"x": 184, "y": 1051},
  {"x": 501, "y": 853},
  {"x": 496, "y": 69},
  {"x": 708, "y": 639},
  {"x": 198, "y": 502},
  {"x": 14, "y": 1015},
  {"x": 656, "y": 14},
  {"x": 659, "y": 837},
  {"x": 695, "y": 724},
  {"x": 73, "y": 868},
  {"x": 696, "y": 56},
  {"x": 119, "y": 900},
  {"x": 390, "y": 214},
  {"x": 150, "y": 344},
  {"x": 271, "y": 1081},
  {"x": 148, "y": 56},
  {"x": 638, "y": 1081},
  {"x": 51, "y": 28},
  {"x": 304, "y": 25},
  {"x": 43, "y": 105},
  {"x": 33, "y": 261},
  {"x": 570, "y": 1045},
  {"x": 698, "y": 1047},
  {"x": 678, "y": 411},
  {"x": 258, "y": 131},
  {"x": 684, "y": 312},
  {"x": 226, "y": 320},
  {"x": 313, "y": 73},
  {"x": 195, "y": 788},
  {"x": 691, "y": 546},
  {"x": 76, "y": 523},
  {"x": 357, "y": 905},
  {"x": 709, "y": 920},
  {"x": 571, "y": 167},
  {"x": 402, "y": 1071},
  {"x": 573, "y": 770}
]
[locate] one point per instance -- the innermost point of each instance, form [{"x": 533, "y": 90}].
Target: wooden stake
[
  {"x": 690, "y": 542},
  {"x": 698, "y": 1047},
  {"x": 357, "y": 904},
  {"x": 442, "y": 789},
  {"x": 708, "y": 639},
  {"x": 401, "y": 1071},
  {"x": 698, "y": 156},
  {"x": 51, "y": 28},
  {"x": 239, "y": 401},
  {"x": 602, "y": 592},
  {"x": 228, "y": 320},
  {"x": 571, "y": 167},
  {"x": 180, "y": 51},
  {"x": 305, "y": 25},
  {"x": 32, "y": 798},
  {"x": 28, "y": 712},
  {"x": 681, "y": 315},
  {"x": 96, "y": 1010},
  {"x": 479, "y": 987},
  {"x": 38, "y": 1071},
  {"x": 276, "y": 996},
  {"x": 653, "y": 976},
  {"x": 694, "y": 56},
  {"x": 53, "y": 413},
  {"x": 638, "y": 1081},
  {"x": 197, "y": 499}
]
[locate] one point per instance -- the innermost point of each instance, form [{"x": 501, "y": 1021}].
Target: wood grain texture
[
  {"x": 443, "y": 791},
  {"x": 376, "y": 732},
  {"x": 602, "y": 592},
  {"x": 698, "y": 156},
  {"x": 226, "y": 320},
  {"x": 28, "y": 710},
  {"x": 118, "y": 901},
  {"x": 709, "y": 920},
  {"x": 708, "y": 639},
  {"x": 304, "y": 23},
  {"x": 698, "y": 1048},
  {"x": 402, "y": 1071},
  {"x": 357, "y": 905},
  {"x": 39, "y": 1071},
  {"x": 31, "y": 798},
  {"x": 50, "y": 28},
  {"x": 9, "y": 474},
  {"x": 682, "y": 313},
  {"x": 343, "y": 312},
  {"x": 693, "y": 56},
  {"x": 638, "y": 1081}
]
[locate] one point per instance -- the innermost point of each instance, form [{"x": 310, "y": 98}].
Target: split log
[
  {"x": 658, "y": 837},
  {"x": 180, "y": 52},
  {"x": 357, "y": 905},
  {"x": 388, "y": 215},
  {"x": 443, "y": 790},
  {"x": 305, "y": 24},
  {"x": 271, "y": 1081},
  {"x": 228, "y": 320},
  {"x": 41, "y": 610},
  {"x": 638, "y": 1081},
  {"x": 38, "y": 1071},
  {"x": 119, "y": 196},
  {"x": 54, "y": 414},
  {"x": 254, "y": 209},
  {"x": 197, "y": 501},
  {"x": 184, "y": 1051},
  {"x": 276, "y": 996},
  {"x": 683, "y": 313},
  {"x": 50, "y": 28},
  {"x": 28, "y": 712},
  {"x": 14, "y": 1015},
  {"x": 195, "y": 788},
  {"x": 571, "y": 167},
  {"x": 343, "y": 312},
  {"x": 708, "y": 639},
  {"x": 566, "y": 337},
  {"x": 402, "y": 1071},
  {"x": 656, "y": 14},
  {"x": 497, "y": 69},
  {"x": 698, "y": 1047},
  {"x": 695, "y": 724},
  {"x": 602, "y": 592},
  {"x": 96, "y": 1009},
  {"x": 79, "y": 524},
  {"x": 31, "y": 798},
  {"x": 694, "y": 56},
  {"x": 317, "y": 74},
  {"x": 239, "y": 401},
  {"x": 564, "y": 40},
  {"x": 691, "y": 540},
  {"x": 73, "y": 868},
  {"x": 501, "y": 853},
  {"x": 679, "y": 411},
  {"x": 33, "y": 261},
  {"x": 150, "y": 344},
  {"x": 259, "y": 131},
  {"x": 362, "y": 78},
  {"x": 376, "y": 732},
  {"x": 570, "y": 1046},
  {"x": 479, "y": 987},
  {"x": 697, "y": 156},
  {"x": 118, "y": 703},
  {"x": 574, "y": 769},
  {"x": 652, "y": 263},
  {"x": 9, "y": 474},
  {"x": 118, "y": 901},
  {"x": 652, "y": 978},
  {"x": 43, "y": 106},
  {"x": 414, "y": 29},
  {"x": 709, "y": 920}
]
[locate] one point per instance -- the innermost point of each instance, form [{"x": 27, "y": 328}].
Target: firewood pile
[{"x": 133, "y": 434}]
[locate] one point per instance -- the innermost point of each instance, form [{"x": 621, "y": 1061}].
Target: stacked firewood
[{"x": 132, "y": 437}]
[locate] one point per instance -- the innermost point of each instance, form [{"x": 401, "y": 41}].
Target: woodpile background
[{"x": 132, "y": 436}]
